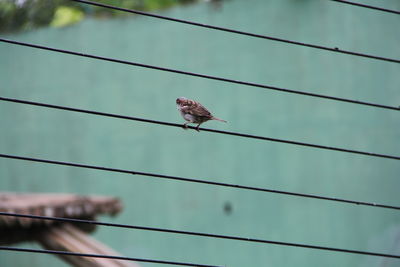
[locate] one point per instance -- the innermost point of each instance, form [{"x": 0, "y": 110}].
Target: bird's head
[{"x": 181, "y": 100}]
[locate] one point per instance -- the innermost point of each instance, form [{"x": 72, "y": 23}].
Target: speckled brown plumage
[{"x": 194, "y": 112}]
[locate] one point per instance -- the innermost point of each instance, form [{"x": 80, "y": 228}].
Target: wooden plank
[
  {"x": 66, "y": 237},
  {"x": 57, "y": 205}
]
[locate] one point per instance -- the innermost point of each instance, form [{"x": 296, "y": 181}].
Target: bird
[{"x": 194, "y": 112}]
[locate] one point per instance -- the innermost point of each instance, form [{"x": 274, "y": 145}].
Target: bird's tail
[{"x": 217, "y": 119}]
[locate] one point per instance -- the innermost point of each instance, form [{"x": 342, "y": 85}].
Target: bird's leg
[
  {"x": 197, "y": 128},
  {"x": 185, "y": 125}
]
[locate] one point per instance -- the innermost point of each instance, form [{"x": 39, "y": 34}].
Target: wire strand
[
  {"x": 203, "y": 129},
  {"x": 363, "y": 5},
  {"x": 237, "y": 238},
  {"x": 335, "y": 49},
  {"x": 192, "y": 180},
  {"x": 200, "y": 75},
  {"x": 67, "y": 253}
]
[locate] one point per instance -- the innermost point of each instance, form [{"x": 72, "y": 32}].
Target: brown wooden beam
[{"x": 67, "y": 237}]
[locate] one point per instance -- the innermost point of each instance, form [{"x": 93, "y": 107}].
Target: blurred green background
[
  {"x": 49, "y": 77},
  {"x": 20, "y": 15}
]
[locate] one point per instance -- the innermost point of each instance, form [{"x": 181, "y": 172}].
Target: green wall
[{"x": 48, "y": 77}]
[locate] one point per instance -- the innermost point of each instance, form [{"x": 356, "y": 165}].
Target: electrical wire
[
  {"x": 335, "y": 49},
  {"x": 67, "y": 253},
  {"x": 237, "y": 238},
  {"x": 361, "y": 5},
  {"x": 170, "y": 124},
  {"x": 192, "y": 180},
  {"x": 203, "y": 129},
  {"x": 200, "y": 75}
]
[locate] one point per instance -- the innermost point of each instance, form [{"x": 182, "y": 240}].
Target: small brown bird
[{"x": 194, "y": 112}]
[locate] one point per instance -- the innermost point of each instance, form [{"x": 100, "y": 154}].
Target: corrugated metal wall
[{"x": 85, "y": 83}]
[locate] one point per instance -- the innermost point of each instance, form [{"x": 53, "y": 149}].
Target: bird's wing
[{"x": 198, "y": 110}]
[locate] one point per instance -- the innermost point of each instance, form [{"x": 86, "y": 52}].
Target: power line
[
  {"x": 335, "y": 49},
  {"x": 360, "y": 5},
  {"x": 236, "y": 186},
  {"x": 237, "y": 238},
  {"x": 200, "y": 75},
  {"x": 192, "y": 180},
  {"x": 67, "y": 253},
  {"x": 203, "y": 129}
]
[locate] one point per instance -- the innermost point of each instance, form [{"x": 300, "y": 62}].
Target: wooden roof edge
[{"x": 54, "y": 205}]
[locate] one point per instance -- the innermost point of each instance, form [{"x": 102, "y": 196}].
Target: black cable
[
  {"x": 237, "y": 238},
  {"x": 360, "y": 5},
  {"x": 203, "y": 129},
  {"x": 67, "y": 253},
  {"x": 335, "y": 49},
  {"x": 168, "y": 177},
  {"x": 200, "y": 75}
]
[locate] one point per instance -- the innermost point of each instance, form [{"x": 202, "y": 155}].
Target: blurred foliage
[
  {"x": 20, "y": 15},
  {"x": 65, "y": 16},
  {"x": 144, "y": 5}
]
